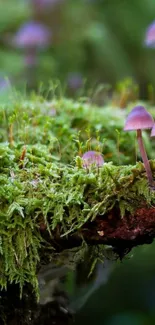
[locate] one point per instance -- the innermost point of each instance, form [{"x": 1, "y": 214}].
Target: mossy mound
[
  {"x": 69, "y": 128},
  {"x": 42, "y": 182}
]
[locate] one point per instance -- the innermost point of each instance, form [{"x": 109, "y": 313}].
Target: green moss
[
  {"x": 75, "y": 122},
  {"x": 49, "y": 184}
]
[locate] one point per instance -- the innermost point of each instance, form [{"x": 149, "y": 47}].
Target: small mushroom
[
  {"x": 31, "y": 37},
  {"x": 92, "y": 158},
  {"x": 139, "y": 119},
  {"x": 150, "y": 35}
]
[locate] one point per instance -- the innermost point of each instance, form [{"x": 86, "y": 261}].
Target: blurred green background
[
  {"x": 92, "y": 42},
  {"x": 128, "y": 297}
]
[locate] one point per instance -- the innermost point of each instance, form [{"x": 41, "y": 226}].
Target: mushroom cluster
[{"x": 139, "y": 119}]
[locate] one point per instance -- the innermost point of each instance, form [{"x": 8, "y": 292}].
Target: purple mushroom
[
  {"x": 139, "y": 119},
  {"x": 4, "y": 84},
  {"x": 31, "y": 37},
  {"x": 92, "y": 158},
  {"x": 150, "y": 36}
]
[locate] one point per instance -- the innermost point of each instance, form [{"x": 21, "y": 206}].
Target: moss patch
[{"x": 44, "y": 187}]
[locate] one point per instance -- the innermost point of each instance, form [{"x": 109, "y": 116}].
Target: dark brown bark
[{"x": 121, "y": 233}]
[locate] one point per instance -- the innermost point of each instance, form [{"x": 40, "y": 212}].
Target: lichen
[{"x": 42, "y": 180}]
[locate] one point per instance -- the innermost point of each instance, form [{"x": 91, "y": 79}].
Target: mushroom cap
[
  {"x": 32, "y": 35},
  {"x": 153, "y": 131},
  {"x": 150, "y": 35},
  {"x": 91, "y": 158},
  {"x": 138, "y": 119}
]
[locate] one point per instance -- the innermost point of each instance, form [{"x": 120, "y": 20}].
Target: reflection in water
[
  {"x": 128, "y": 295},
  {"x": 64, "y": 286},
  {"x": 63, "y": 292},
  {"x": 87, "y": 288}
]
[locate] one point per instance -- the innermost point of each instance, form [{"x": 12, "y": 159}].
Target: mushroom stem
[
  {"x": 145, "y": 158},
  {"x": 30, "y": 66},
  {"x": 31, "y": 57}
]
